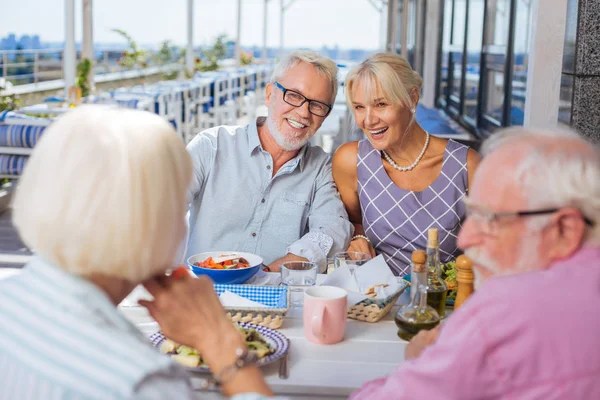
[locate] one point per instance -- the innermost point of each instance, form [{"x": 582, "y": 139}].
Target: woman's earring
[{"x": 413, "y": 110}]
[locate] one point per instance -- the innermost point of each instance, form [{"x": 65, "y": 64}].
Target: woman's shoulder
[{"x": 348, "y": 152}]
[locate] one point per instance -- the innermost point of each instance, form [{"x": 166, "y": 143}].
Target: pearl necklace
[{"x": 411, "y": 166}]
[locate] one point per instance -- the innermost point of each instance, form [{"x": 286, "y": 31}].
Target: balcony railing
[{"x": 32, "y": 66}]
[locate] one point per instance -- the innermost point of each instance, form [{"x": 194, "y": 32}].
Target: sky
[{"x": 308, "y": 23}]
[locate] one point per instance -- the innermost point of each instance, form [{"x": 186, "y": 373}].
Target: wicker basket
[
  {"x": 276, "y": 298},
  {"x": 372, "y": 310}
]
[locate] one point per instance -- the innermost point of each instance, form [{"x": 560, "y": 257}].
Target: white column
[
  {"x": 382, "y": 25},
  {"x": 265, "y": 10},
  {"x": 404, "y": 32},
  {"x": 69, "y": 56},
  {"x": 238, "y": 46},
  {"x": 87, "y": 50},
  {"x": 392, "y": 25},
  {"x": 545, "y": 62},
  {"x": 430, "y": 61},
  {"x": 190, "y": 57},
  {"x": 282, "y": 7}
]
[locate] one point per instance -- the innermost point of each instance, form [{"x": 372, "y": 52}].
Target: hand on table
[
  {"x": 420, "y": 342},
  {"x": 363, "y": 246},
  {"x": 188, "y": 311},
  {"x": 275, "y": 266}
]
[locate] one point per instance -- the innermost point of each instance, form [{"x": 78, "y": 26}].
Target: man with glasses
[
  {"x": 531, "y": 329},
  {"x": 262, "y": 188}
]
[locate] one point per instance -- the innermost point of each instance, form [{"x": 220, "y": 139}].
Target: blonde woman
[
  {"x": 102, "y": 200},
  {"x": 400, "y": 180}
]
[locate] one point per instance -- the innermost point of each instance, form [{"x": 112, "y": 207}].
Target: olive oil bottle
[
  {"x": 417, "y": 315},
  {"x": 436, "y": 287}
]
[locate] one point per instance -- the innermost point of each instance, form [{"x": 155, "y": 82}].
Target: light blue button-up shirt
[
  {"x": 238, "y": 205},
  {"x": 62, "y": 338}
]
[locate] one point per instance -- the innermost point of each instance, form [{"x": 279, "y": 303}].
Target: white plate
[{"x": 260, "y": 279}]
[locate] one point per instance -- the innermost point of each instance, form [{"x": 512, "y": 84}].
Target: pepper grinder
[{"x": 464, "y": 277}]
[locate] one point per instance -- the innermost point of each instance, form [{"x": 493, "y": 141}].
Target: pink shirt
[{"x": 529, "y": 336}]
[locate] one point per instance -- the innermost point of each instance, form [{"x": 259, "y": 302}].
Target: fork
[{"x": 283, "y": 367}]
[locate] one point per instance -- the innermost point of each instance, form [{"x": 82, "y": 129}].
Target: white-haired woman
[
  {"x": 400, "y": 181},
  {"x": 102, "y": 201}
]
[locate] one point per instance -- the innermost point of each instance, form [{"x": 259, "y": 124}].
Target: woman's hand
[
  {"x": 362, "y": 245},
  {"x": 189, "y": 312}
]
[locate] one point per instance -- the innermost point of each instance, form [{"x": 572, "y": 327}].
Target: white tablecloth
[{"x": 368, "y": 351}]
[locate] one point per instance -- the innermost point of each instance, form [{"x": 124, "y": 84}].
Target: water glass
[
  {"x": 298, "y": 276},
  {"x": 351, "y": 259}
]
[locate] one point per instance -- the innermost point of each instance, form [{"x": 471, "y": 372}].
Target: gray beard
[{"x": 280, "y": 138}]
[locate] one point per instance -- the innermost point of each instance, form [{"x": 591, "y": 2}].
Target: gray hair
[
  {"x": 104, "y": 192},
  {"x": 325, "y": 66},
  {"x": 558, "y": 168}
]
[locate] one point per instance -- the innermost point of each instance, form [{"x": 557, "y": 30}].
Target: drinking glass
[
  {"x": 298, "y": 276},
  {"x": 352, "y": 259}
]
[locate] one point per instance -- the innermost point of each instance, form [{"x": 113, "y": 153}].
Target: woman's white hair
[
  {"x": 325, "y": 66},
  {"x": 558, "y": 168},
  {"x": 104, "y": 192}
]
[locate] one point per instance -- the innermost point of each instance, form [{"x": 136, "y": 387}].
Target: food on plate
[
  {"x": 190, "y": 357},
  {"x": 372, "y": 292},
  {"x": 225, "y": 261},
  {"x": 449, "y": 276}
]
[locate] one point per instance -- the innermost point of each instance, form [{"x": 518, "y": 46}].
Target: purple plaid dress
[{"x": 396, "y": 220}]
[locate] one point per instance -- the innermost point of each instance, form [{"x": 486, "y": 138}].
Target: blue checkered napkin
[{"x": 270, "y": 296}]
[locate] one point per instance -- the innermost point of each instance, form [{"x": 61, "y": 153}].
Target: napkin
[
  {"x": 230, "y": 299},
  {"x": 138, "y": 293},
  {"x": 373, "y": 272}
]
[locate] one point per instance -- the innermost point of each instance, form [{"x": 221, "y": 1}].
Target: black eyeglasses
[
  {"x": 296, "y": 99},
  {"x": 488, "y": 218}
]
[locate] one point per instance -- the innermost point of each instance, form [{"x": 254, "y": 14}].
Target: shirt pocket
[{"x": 290, "y": 217}]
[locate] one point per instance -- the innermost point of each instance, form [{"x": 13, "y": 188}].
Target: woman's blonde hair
[
  {"x": 104, "y": 192},
  {"x": 386, "y": 73}
]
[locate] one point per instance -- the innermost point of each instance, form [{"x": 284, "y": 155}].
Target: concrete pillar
[
  {"x": 190, "y": 57},
  {"x": 585, "y": 76},
  {"x": 69, "y": 55},
  {"x": 545, "y": 62},
  {"x": 238, "y": 45},
  {"x": 430, "y": 62},
  {"x": 265, "y": 12}
]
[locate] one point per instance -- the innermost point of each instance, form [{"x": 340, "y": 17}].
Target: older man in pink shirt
[{"x": 532, "y": 329}]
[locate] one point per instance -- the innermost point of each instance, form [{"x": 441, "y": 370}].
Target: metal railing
[{"x": 32, "y": 66}]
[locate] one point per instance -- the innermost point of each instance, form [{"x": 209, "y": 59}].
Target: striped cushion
[
  {"x": 12, "y": 164},
  {"x": 20, "y": 135}
]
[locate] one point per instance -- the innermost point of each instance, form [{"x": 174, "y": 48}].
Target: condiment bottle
[
  {"x": 464, "y": 278},
  {"x": 436, "y": 287},
  {"x": 417, "y": 315},
  {"x": 418, "y": 275}
]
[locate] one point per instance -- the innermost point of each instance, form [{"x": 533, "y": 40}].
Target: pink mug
[{"x": 325, "y": 314}]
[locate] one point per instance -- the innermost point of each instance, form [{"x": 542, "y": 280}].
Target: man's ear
[
  {"x": 268, "y": 93},
  {"x": 571, "y": 232}
]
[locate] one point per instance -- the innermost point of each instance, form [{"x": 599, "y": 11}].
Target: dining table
[{"x": 368, "y": 351}]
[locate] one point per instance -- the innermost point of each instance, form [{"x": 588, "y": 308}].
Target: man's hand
[
  {"x": 420, "y": 342},
  {"x": 188, "y": 311},
  {"x": 275, "y": 266},
  {"x": 363, "y": 246}
]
